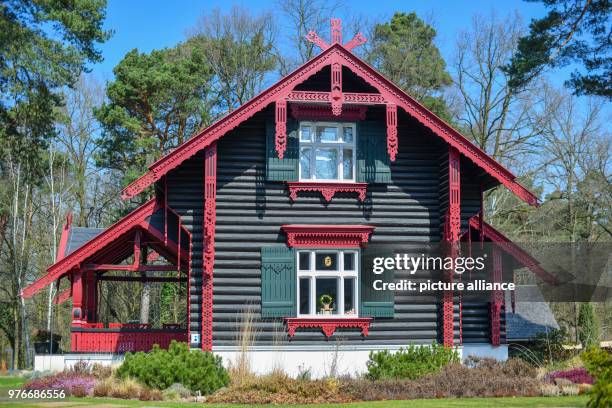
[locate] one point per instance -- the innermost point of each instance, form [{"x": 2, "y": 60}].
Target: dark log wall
[{"x": 250, "y": 211}]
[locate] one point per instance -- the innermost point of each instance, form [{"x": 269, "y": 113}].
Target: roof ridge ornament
[{"x": 336, "y": 37}]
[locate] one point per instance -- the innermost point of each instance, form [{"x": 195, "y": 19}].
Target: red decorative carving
[
  {"x": 314, "y": 38},
  {"x": 210, "y": 198},
  {"x": 281, "y": 127},
  {"x": 284, "y": 87},
  {"x": 355, "y": 98},
  {"x": 327, "y": 236},
  {"x": 77, "y": 298},
  {"x": 452, "y": 229},
  {"x": 496, "y": 298},
  {"x": 323, "y": 112},
  {"x": 328, "y": 325},
  {"x": 356, "y": 41},
  {"x": 336, "y": 30},
  {"x": 392, "y": 143},
  {"x": 336, "y": 93},
  {"x": 328, "y": 190},
  {"x": 504, "y": 243}
]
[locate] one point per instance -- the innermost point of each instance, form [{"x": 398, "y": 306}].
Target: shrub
[
  {"x": 197, "y": 370},
  {"x": 576, "y": 376},
  {"x": 599, "y": 364},
  {"x": 279, "y": 388},
  {"x": 546, "y": 347},
  {"x": 485, "y": 378},
  {"x": 409, "y": 363},
  {"x": 588, "y": 326}
]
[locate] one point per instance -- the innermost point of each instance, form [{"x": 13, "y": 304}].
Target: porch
[{"x": 149, "y": 247}]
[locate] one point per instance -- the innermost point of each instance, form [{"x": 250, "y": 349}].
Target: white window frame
[
  {"x": 340, "y": 145},
  {"x": 340, "y": 274}
]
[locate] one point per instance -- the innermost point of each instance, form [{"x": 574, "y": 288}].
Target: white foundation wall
[{"x": 319, "y": 361}]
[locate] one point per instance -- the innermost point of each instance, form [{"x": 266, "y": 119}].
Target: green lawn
[{"x": 431, "y": 403}]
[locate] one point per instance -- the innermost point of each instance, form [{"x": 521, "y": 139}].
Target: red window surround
[
  {"x": 328, "y": 326},
  {"x": 327, "y": 236},
  {"x": 328, "y": 190}
]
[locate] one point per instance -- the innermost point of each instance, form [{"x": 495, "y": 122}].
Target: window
[
  {"x": 327, "y": 151},
  {"x": 327, "y": 283}
]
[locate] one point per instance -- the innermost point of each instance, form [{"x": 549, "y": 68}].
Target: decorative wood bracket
[
  {"x": 328, "y": 190},
  {"x": 392, "y": 143},
  {"x": 337, "y": 98},
  {"x": 327, "y": 236},
  {"x": 328, "y": 326},
  {"x": 281, "y": 127}
]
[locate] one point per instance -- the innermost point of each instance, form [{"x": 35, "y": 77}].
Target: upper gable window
[{"x": 327, "y": 151}]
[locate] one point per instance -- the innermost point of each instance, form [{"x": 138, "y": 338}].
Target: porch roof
[{"x": 115, "y": 244}]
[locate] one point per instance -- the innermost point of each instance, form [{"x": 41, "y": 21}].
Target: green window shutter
[
  {"x": 372, "y": 156},
  {"x": 278, "y": 282},
  {"x": 374, "y": 303},
  {"x": 287, "y": 168}
]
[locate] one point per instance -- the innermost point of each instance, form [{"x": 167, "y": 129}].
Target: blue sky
[{"x": 154, "y": 24}]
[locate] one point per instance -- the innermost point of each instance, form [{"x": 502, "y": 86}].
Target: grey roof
[
  {"x": 79, "y": 236},
  {"x": 532, "y": 314}
]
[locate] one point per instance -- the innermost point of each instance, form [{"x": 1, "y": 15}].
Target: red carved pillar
[
  {"x": 496, "y": 298},
  {"x": 210, "y": 197},
  {"x": 91, "y": 298},
  {"x": 453, "y": 231},
  {"x": 281, "y": 128},
  {"x": 77, "y": 298},
  {"x": 392, "y": 142}
]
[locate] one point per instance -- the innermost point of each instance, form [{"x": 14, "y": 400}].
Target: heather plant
[
  {"x": 196, "y": 370},
  {"x": 74, "y": 383},
  {"x": 409, "y": 363},
  {"x": 599, "y": 364},
  {"x": 576, "y": 375}
]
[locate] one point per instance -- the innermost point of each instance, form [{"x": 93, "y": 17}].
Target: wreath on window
[{"x": 326, "y": 301}]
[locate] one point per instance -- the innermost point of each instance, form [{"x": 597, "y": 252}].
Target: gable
[{"x": 285, "y": 90}]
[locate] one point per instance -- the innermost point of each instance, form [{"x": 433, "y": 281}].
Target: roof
[
  {"x": 79, "y": 236},
  {"x": 531, "y": 314},
  {"x": 389, "y": 92}
]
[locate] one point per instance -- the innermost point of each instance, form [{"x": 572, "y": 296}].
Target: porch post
[
  {"x": 496, "y": 298},
  {"x": 92, "y": 293},
  {"x": 77, "y": 298},
  {"x": 453, "y": 231},
  {"x": 210, "y": 197}
]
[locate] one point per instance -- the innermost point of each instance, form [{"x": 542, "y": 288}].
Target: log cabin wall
[{"x": 251, "y": 210}]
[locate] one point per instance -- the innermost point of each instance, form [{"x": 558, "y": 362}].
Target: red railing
[{"x": 123, "y": 339}]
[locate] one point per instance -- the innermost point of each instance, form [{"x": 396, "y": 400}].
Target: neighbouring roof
[
  {"x": 336, "y": 53},
  {"x": 531, "y": 316},
  {"x": 79, "y": 236}
]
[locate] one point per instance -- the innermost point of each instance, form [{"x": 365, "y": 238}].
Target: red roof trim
[
  {"x": 511, "y": 249},
  {"x": 61, "y": 250},
  {"x": 392, "y": 93}
]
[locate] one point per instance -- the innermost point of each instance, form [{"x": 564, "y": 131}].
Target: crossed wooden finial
[{"x": 336, "y": 36}]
